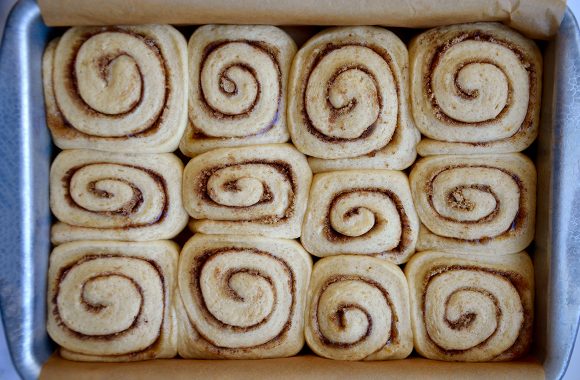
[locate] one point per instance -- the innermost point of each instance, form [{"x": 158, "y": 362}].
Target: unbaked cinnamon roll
[
  {"x": 243, "y": 297},
  {"x": 358, "y": 309},
  {"x": 237, "y": 87},
  {"x": 116, "y": 196},
  {"x": 475, "y": 88},
  {"x": 113, "y": 301},
  {"x": 348, "y": 102},
  {"x": 475, "y": 204},
  {"x": 254, "y": 190},
  {"x": 366, "y": 212},
  {"x": 117, "y": 88},
  {"x": 471, "y": 308}
]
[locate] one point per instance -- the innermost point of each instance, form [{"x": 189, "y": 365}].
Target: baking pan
[{"x": 26, "y": 151}]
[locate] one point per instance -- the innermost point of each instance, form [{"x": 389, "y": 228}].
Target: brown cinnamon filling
[
  {"x": 195, "y": 288},
  {"x": 339, "y": 316},
  {"x": 330, "y": 47},
  {"x": 95, "y": 308},
  {"x": 229, "y": 88},
  {"x": 139, "y": 318},
  {"x": 465, "y": 320},
  {"x": 515, "y": 226},
  {"x": 405, "y": 240},
  {"x": 456, "y": 199},
  {"x": 129, "y": 208},
  {"x": 480, "y": 36},
  {"x": 267, "y": 197},
  {"x": 104, "y": 62},
  {"x": 519, "y": 283}
]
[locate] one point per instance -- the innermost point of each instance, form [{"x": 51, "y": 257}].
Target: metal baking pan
[{"x": 26, "y": 152}]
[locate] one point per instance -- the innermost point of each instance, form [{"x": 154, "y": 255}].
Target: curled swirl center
[
  {"x": 117, "y": 195},
  {"x": 254, "y": 190},
  {"x": 346, "y": 100},
  {"x": 354, "y": 316},
  {"x": 482, "y": 195},
  {"x": 117, "y": 86},
  {"x": 479, "y": 83},
  {"x": 369, "y": 213},
  {"x": 243, "y": 297},
  {"x": 240, "y": 89},
  {"x": 106, "y": 297},
  {"x": 471, "y": 309}
]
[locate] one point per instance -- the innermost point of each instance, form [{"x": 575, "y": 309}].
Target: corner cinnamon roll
[
  {"x": 348, "y": 107},
  {"x": 475, "y": 89},
  {"x": 475, "y": 308},
  {"x": 364, "y": 212},
  {"x": 358, "y": 309},
  {"x": 237, "y": 87},
  {"x": 475, "y": 204},
  {"x": 113, "y": 301},
  {"x": 242, "y": 297},
  {"x": 254, "y": 190},
  {"x": 116, "y": 88},
  {"x": 116, "y": 196}
]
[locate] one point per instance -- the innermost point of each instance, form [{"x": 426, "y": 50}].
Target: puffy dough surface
[
  {"x": 475, "y": 204},
  {"x": 238, "y": 78},
  {"x": 348, "y": 105},
  {"x": 475, "y": 89},
  {"x": 113, "y": 301},
  {"x": 116, "y": 196},
  {"x": 476, "y": 308},
  {"x": 118, "y": 89},
  {"x": 366, "y": 212},
  {"x": 243, "y": 297},
  {"x": 358, "y": 309},
  {"x": 253, "y": 190}
]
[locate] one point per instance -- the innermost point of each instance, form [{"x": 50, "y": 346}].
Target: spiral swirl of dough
[
  {"x": 117, "y": 88},
  {"x": 238, "y": 76},
  {"x": 259, "y": 190},
  {"x": 367, "y": 212},
  {"x": 475, "y": 89},
  {"x": 112, "y": 301},
  {"x": 242, "y": 297},
  {"x": 474, "y": 310},
  {"x": 350, "y": 103},
  {"x": 358, "y": 309},
  {"x": 475, "y": 203},
  {"x": 117, "y": 198}
]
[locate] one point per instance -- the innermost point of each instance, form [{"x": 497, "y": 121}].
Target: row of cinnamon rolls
[
  {"x": 349, "y": 98},
  {"x": 248, "y": 297},
  {"x": 465, "y": 204}
]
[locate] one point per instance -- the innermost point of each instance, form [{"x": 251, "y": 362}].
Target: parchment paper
[
  {"x": 535, "y": 18},
  {"x": 298, "y": 367}
]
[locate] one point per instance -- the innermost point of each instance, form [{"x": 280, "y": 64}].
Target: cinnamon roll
[
  {"x": 358, "y": 309},
  {"x": 475, "y": 89},
  {"x": 117, "y": 88},
  {"x": 366, "y": 212},
  {"x": 475, "y": 204},
  {"x": 254, "y": 190},
  {"x": 116, "y": 196},
  {"x": 243, "y": 297},
  {"x": 476, "y": 308},
  {"x": 349, "y": 103},
  {"x": 113, "y": 301},
  {"x": 237, "y": 87}
]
